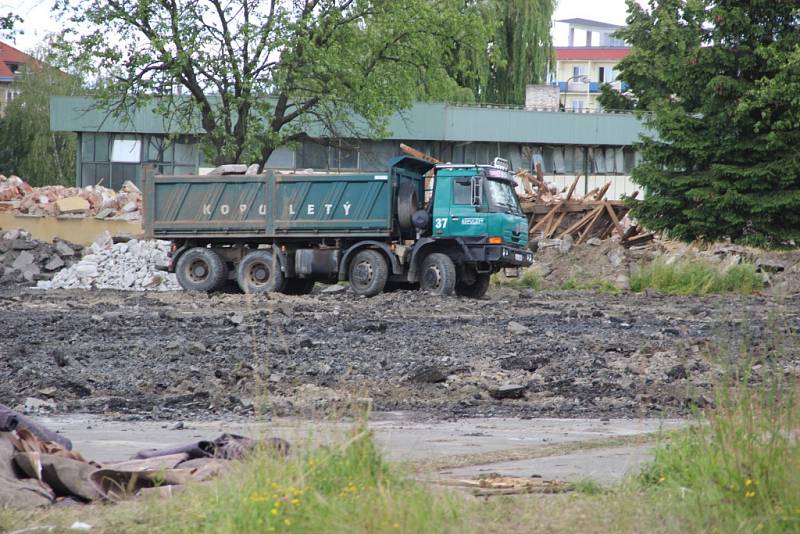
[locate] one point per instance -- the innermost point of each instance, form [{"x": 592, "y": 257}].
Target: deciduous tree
[
  {"x": 27, "y": 146},
  {"x": 258, "y": 74}
]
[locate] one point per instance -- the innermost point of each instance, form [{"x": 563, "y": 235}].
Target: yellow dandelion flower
[
  {"x": 747, "y": 482},
  {"x": 750, "y": 494},
  {"x": 295, "y": 501},
  {"x": 274, "y": 511},
  {"x": 662, "y": 479},
  {"x": 287, "y": 522}
]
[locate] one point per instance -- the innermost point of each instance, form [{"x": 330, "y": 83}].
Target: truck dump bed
[{"x": 267, "y": 206}]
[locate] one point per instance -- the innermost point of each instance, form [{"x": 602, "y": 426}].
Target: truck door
[{"x": 456, "y": 212}]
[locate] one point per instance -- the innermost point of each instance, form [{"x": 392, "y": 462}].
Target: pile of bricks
[{"x": 96, "y": 201}]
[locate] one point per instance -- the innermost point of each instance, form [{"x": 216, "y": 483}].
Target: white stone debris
[{"x": 132, "y": 266}]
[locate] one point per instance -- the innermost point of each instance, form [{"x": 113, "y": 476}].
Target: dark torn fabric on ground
[
  {"x": 11, "y": 420},
  {"x": 36, "y": 472},
  {"x": 226, "y": 447},
  {"x": 15, "y": 491}
]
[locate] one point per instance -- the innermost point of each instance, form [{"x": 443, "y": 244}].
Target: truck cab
[{"x": 476, "y": 219}]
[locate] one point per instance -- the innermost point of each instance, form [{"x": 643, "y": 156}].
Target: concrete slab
[
  {"x": 401, "y": 437},
  {"x": 605, "y": 466}
]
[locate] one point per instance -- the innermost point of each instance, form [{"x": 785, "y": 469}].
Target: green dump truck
[{"x": 282, "y": 232}]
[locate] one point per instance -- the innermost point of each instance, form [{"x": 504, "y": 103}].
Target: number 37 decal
[{"x": 440, "y": 222}]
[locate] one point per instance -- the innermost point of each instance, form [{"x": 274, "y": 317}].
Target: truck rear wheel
[
  {"x": 472, "y": 284},
  {"x": 298, "y": 286},
  {"x": 368, "y": 273},
  {"x": 201, "y": 269},
  {"x": 257, "y": 275},
  {"x": 438, "y": 274}
]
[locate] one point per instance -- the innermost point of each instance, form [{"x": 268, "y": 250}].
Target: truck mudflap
[{"x": 500, "y": 254}]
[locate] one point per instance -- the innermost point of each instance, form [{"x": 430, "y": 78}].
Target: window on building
[
  {"x": 577, "y": 105},
  {"x": 313, "y": 155},
  {"x": 126, "y": 149},
  {"x": 375, "y": 155},
  {"x": 281, "y": 158},
  {"x": 343, "y": 156}
]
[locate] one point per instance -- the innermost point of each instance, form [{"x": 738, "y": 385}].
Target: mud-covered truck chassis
[{"x": 282, "y": 232}]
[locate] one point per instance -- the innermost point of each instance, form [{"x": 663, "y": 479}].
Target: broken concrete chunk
[
  {"x": 22, "y": 244},
  {"x": 508, "y": 391},
  {"x": 104, "y": 213},
  {"x": 428, "y": 374},
  {"x": 72, "y": 205},
  {"x": 516, "y": 328},
  {"x": 63, "y": 249},
  {"x": 24, "y": 259},
  {"x": 54, "y": 263}
]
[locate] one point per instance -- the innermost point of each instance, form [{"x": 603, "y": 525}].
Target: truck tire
[
  {"x": 201, "y": 269},
  {"x": 438, "y": 274},
  {"x": 298, "y": 286},
  {"x": 256, "y": 274},
  {"x": 473, "y": 286},
  {"x": 368, "y": 273}
]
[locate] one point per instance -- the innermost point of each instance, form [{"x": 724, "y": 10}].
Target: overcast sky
[{"x": 38, "y": 21}]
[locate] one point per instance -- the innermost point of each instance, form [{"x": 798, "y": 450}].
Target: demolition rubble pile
[
  {"x": 24, "y": 260},
  {"x": 38, "y": 467},
  {"x": 135, "y": 265},
  {"x": 558, "y": 215},
  {"x": 17, "y": 196}
]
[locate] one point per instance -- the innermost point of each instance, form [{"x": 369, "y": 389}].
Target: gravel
[
  {"x": 135, "y": 265},
  {"x": 179, "y": 355}
]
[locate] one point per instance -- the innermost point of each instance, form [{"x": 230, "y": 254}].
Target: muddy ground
[{"x": 566, "y": 354}]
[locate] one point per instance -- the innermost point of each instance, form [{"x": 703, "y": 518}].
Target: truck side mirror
[{"x": 477, "y": 191}]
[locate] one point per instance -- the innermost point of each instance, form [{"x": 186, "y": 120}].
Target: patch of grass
[
  {"x": 342, "y": 488},
  {"x": 530, "y": 279},
  {"x": 697, "y": 278},
  {"x": 738, "y": 468},
  {"x": 602, "y": 286},
  {"x": 588, "y": 486}
]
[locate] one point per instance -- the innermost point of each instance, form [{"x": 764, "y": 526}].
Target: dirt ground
[{"x": 558, "y": 354}]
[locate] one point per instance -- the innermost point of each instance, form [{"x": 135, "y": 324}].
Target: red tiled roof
[
  {"x": 593, "y": 53},
  {"x": 9, "y": 54}
]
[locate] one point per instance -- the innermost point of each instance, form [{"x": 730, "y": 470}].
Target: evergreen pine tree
[{"x": 720, "y": 81}]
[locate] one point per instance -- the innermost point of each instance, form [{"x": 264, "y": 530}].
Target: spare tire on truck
[
  {"x": 201, "y": 269},
  {"x": 407, "y": 204}
]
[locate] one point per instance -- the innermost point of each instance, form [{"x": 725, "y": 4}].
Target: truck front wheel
[
  {"x": 438, "y": 274},
  {"x": 256, "y": 273},
  {"x": 472, "y": 284},
  {"x": 201, "y": 269},
  {"x": 368, "y": 273}
]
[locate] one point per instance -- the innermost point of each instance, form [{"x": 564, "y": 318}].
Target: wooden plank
[
  {"x": 544, "y": 220},
  {"x": 614, "y": 219},
  {"x": 603, "y": 190},
  {"x": 591, "y": 224},
  {"x": 570, "y": 206},
  {"x": 552, "y": 228},
  {"x": 417, "y": 153},
  {"x": 579, "y": 224}
]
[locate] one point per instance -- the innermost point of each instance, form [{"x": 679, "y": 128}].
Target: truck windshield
[{"x": 502, "y": 197}]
